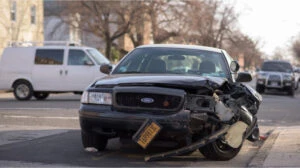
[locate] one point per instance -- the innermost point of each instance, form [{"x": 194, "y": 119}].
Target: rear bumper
[{"x": 105, "y": 120}]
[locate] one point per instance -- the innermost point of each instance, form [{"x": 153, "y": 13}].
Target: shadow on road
[{"x": 66, "y": 149}]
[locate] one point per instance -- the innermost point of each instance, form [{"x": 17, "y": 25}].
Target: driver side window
[{"x": 78, "y": 57}]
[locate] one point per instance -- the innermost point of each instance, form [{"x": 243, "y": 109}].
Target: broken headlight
[{"x": 200, "y": 103}]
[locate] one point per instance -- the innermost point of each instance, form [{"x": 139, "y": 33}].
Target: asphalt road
[{"x": 46, "y": 133}]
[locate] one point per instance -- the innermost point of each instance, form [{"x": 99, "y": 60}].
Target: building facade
[
  {"x": 21, "y": 21},
  {"x": 55, "y": 29}
]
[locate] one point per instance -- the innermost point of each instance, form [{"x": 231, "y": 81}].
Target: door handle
[
  {"x": 60, "y": 72},
  {"x": 66, "y": 72}
]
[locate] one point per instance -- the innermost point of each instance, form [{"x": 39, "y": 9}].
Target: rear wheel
[
  {"x": 22, "y": 90},
  {"x": 40, "y": 95},
  {"x": 218, "y": 150},
  {"x": 93, "y": 140}
]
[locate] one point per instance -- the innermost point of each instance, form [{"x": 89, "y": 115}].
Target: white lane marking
[{"x": 40, "y": 117}]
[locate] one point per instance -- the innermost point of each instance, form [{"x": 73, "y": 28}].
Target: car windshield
[
  {"x": 277, "y": 67},
  {"x": 98, "y": 57},
  {"x": 162, "y": 60}
]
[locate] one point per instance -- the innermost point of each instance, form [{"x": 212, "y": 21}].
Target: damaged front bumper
[
  {"x": 111, "y": 123},
  {"x": 196, "y": 145}
]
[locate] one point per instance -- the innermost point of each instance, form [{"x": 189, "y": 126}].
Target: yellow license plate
[{"x": 148, "y": 134}]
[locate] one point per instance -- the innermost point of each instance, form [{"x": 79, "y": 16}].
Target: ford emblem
[{"x": 147, "y": 100}]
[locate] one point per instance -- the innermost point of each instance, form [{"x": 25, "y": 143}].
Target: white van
[{"x": 40, "y": 70}]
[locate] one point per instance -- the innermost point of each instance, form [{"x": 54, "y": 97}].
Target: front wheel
[
  {"x": 291, "y": 91},
  {"x": 297, "y": 85},
  {"x": 23, "y": 90},
  {"x": 218, "y": 150},
  {"x": 93, "y": 140}
]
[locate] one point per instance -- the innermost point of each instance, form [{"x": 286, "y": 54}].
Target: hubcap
[{"x": 22, "y": 91}]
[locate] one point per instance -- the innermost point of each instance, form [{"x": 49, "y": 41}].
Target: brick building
[{"x": 21, "y": 21}]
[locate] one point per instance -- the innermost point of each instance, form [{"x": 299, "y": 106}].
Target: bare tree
[
  {"x": 296, "y": 49},
  {"x": 209, "y": 22},
  {"x": 108, "y": 20},
  {"x": 137, "y": 27},
  {"x": 163, "y": 18},
  {"x": 242, "y": 45},
  {"x": 204, "y": 22},
  {"x": 166, "y": 19}
]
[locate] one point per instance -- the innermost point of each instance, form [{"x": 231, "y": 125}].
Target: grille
[
  {"x": 274, "y": 80},
  {"x": 274, "y": 77},
  {"x": 165, "y": 102}
]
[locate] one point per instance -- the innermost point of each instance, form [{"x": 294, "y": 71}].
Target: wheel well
[{"x": 20, "y": 80}]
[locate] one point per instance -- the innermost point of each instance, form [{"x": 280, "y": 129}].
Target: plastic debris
[{"x": 91, "y": 149}]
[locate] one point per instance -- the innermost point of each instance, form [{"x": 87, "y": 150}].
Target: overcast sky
[{"x": 274, "y": 22}]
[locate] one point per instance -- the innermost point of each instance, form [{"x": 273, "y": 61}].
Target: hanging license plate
[
  {"x": 274, "y": 83},
  {"x": 146, "y": 133}
]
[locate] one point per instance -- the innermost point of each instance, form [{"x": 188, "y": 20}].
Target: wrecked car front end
[
  {"x": 185, "y": 94},
  {"x": 187, "y": 109}
]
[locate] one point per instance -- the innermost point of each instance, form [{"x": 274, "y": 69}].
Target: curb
[{"x": 263, "y": 152}]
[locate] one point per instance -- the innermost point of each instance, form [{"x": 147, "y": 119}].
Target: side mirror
[
  {"x": 244, "y": 77},
  {"x": 105, "y": 68},
  {"x": 89, "y": 63},
  {"x": 234, "y": 66}
]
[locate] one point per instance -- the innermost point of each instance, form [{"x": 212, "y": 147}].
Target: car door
[
  {"x": 47, "y": 71},
  {"x": 79, "y": 70}
]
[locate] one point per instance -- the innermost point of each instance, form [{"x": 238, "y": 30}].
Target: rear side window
[{"x": 49, "y": 56}]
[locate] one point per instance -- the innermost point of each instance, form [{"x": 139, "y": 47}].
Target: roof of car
[
  {"x": 182, "y": 46},
  {"x": 54, "y": 46}
]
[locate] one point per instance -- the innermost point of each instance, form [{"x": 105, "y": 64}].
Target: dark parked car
[
  {"x": 181, "y": 93},
  {"x": 276, "y": 75}
]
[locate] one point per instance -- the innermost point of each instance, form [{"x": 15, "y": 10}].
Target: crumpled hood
[{"x": 180, "y": 81}]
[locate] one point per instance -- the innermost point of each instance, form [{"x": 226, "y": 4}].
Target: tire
[
  {"x": 219, "y": 151},
  {"x": 40, "y": 95},
  {"x": 23, "y": 90},
  {"x": 260, "y": 89},
  {"x": 291, "y": 91},
  {"x": 93, "y": 140},
  {"x": 296, "y": 85}
]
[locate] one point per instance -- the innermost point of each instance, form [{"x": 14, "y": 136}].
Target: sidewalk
[
  {"x": 6, "y": 95},
  {"x": 281, "y": 149}
]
